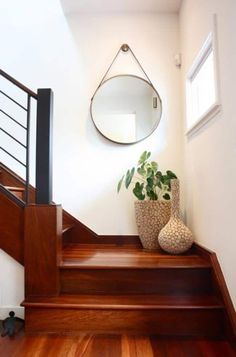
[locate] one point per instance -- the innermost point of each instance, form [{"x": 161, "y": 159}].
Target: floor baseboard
[{"x": 4, "y": 311}]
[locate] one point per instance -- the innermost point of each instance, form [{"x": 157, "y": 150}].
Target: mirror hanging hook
[{"x": 125, "y": 47}]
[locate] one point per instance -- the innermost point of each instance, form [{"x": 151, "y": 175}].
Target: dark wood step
[
  {"x": 11, "y": 225},
  {"x": 123, "y": 302},
  {"x": 17, "y": 191},
  {"x": 136, "y": 281},
  {"x": 66, "y": 227},
  {"x": 185, "y": 316},
  {"x": 83, "y": 256},
  {"x": 109, "y": 270}
]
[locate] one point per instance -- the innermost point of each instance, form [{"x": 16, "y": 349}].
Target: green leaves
[
  {"x": 129, "y": 176},
  {"x": 166, "y": 196},
  {"x": 150, "y": 188},
  {"x": 138, "y": 191},
  {"x": 150, "y": 183},
  {"x": 167, "y": 178},
  {"x": 144, "y": 157},
  {"x": 154, "y": 166},
  {"x": 120, "y": 183},
  {"x": 171, "y": 174},
  {"x": 141, "y": 171}
]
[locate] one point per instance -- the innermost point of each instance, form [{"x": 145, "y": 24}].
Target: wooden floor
[{"x": 110, "y": 346}]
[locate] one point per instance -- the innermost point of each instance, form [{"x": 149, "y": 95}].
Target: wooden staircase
[
  {"x": 102, "y": 285},
  {"x": 106, "y": 289}
]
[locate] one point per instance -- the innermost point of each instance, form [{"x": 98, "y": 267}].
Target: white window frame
[{"x": 210, "y": 45}]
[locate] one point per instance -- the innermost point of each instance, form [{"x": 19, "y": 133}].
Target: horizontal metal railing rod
[
  {"x": 18, "y": 84},
  {"x": 10, "y": 117},
  {"x": 13, "y": 100},
  {"x": 12, "y": 137},
  {"x": 7, "y": 152}
]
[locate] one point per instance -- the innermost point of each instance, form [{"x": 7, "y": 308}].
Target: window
[{"x": 202, "y": 87}]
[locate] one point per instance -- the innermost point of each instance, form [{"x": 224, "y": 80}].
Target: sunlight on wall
[
  {"x": 44, "y": 49},
  {"x": 71, "y": 55}
]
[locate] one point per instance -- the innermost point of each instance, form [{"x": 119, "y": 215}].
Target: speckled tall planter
[
  {"x": 151, "y": 217},
  {"x": 175, "y": 237}
]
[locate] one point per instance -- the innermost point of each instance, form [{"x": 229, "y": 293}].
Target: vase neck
[{"x": 175, "y": 211}]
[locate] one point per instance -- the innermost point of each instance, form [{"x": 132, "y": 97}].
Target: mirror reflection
[{"x": 126, "y": 109}]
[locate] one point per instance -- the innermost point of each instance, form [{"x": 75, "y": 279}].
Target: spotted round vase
[
  {"x": 151, "y": 217},
  {"x": 175, "y": 237}
]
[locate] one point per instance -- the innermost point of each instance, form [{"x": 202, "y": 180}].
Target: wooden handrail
[{"x": 18, "y": 84}]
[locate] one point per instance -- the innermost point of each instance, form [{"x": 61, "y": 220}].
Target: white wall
[
  {"x": 11, "y": 286},
  {"x": 95, "y": 164},
  {"x": 210, "y": 163},
  {"x": 71, "y": 57},
  {"x": 41, "y": 48}
]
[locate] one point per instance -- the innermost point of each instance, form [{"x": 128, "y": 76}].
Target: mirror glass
[{"x": 126, "y": 109}]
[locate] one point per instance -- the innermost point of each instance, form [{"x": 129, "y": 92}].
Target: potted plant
[{"x": 153, "y": 192}]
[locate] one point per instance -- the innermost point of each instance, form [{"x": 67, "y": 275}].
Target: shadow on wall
[{"x": 99, "y": 216}]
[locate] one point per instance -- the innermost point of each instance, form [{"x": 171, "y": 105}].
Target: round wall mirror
[{"x": 126, "y": 109}]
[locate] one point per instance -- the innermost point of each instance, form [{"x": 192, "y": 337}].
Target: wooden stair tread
[
  {"x": 100, "y": 257},
  {"x": 146, "y": 302},
  {"x": 67, "y": 227},
  {"x": 12, "y": 188}
]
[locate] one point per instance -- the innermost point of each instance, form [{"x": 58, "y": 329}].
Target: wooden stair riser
[
  {"x": 197, "y": 322},
  {"x": 9, "y": 178},
  {"x": 11, "y": 228},
  {"x": 17, "y": 191},
  {"x": 136, "y": 281},
  {"x": 42, "y": 243}
]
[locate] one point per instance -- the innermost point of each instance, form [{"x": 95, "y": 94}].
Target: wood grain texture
[
  {"x": 105, "y": 256},
  {"x": 89, "y": 345},
  {"x": 221, "y": 291},
  {"x": 43, "y": 241},
  {"x": 135, "y": 281},
  {"x": 164, "y": 315},
  {"x": 165, "y": 322},
  {"x": 11, "y": 228},
  {"x": 80, "y": 233},
  {"x": 11, "y": 179},
  {"x": 126, "y": 302},
  {"x": 176, "y": 294},
  {"x": 17, "y": 191},
  {"x": 76, "y": 269},
  {"x": 106, "y": 269}
]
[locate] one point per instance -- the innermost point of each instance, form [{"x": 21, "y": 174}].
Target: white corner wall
[
  {"x": 92, "y": 164},
  {"x": 42, "y": 48},
  {"x": 11, "y": 286},
  {"x": 210, "y": 163}
]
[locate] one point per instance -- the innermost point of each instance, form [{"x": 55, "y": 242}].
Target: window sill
[{"x": 204, "y": 119}]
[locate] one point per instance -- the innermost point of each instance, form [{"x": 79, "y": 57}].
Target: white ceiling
[{"x": 120, "y": 6}]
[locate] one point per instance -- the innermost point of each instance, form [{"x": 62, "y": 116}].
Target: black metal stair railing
[{"x": 43, "y": 138}]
